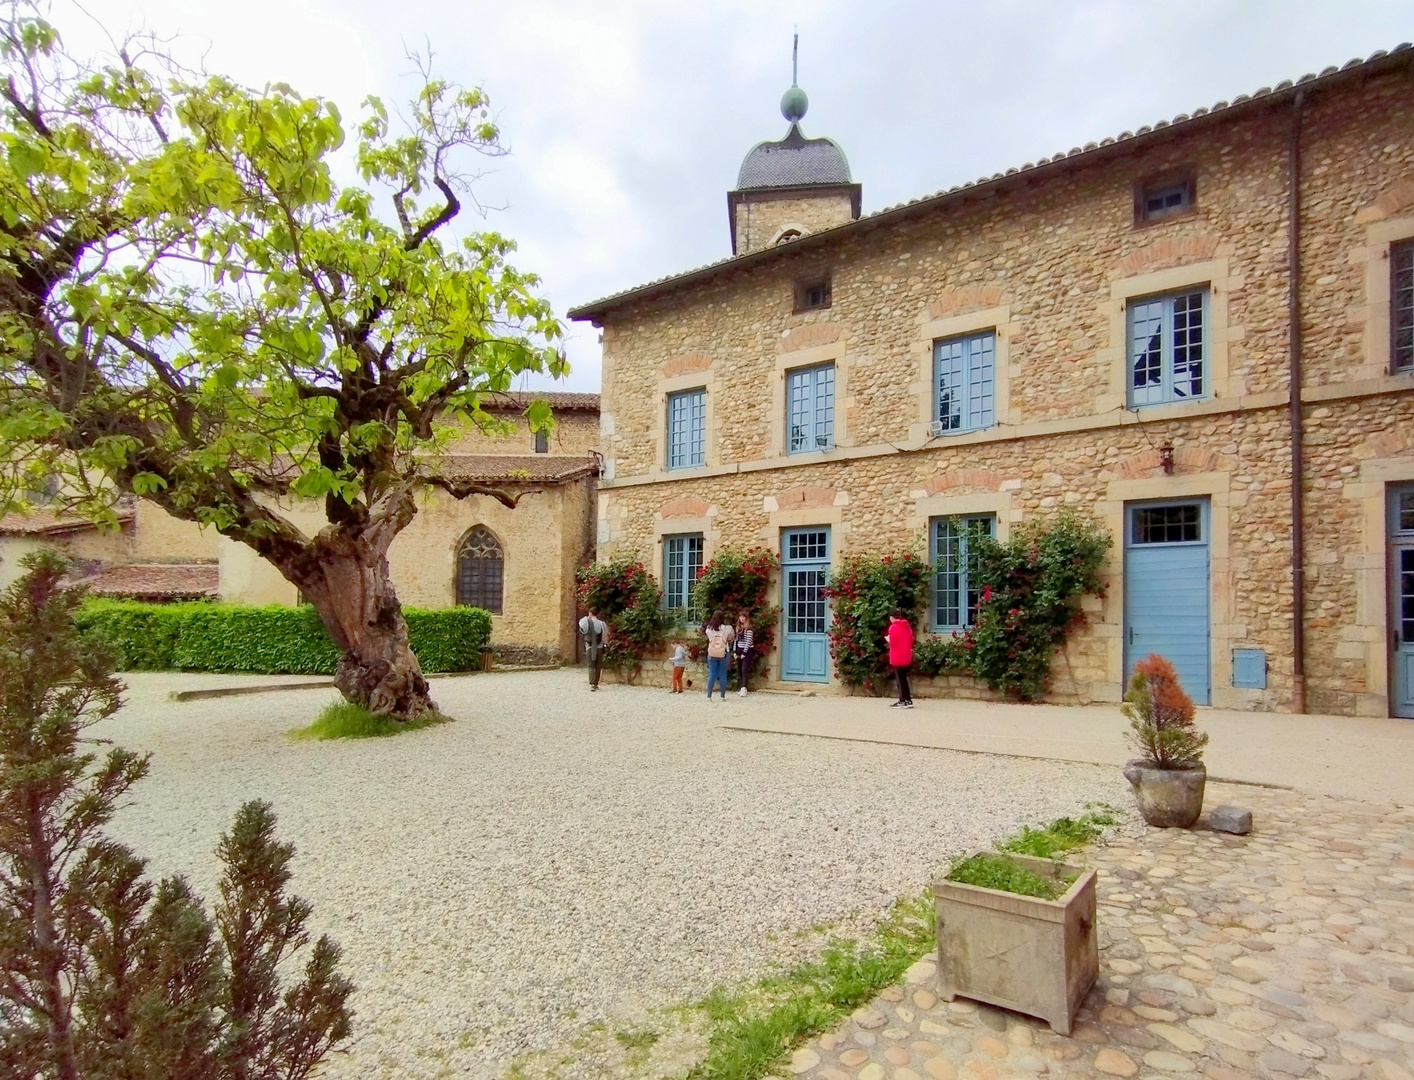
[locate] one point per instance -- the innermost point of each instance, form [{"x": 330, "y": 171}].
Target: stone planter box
[{"x": 1034, "y": 956}]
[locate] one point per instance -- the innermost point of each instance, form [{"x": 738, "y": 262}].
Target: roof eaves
[{"x": 1078, "y": 156}]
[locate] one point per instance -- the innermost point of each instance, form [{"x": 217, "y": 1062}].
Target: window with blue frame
[
  {"x": 1168, "y": 348},
  {"x": 1401, "y": 322},
  {"x": 965, "y": 378},
  {"x": 810, "y": 409},
  {"x": 687, "y": 429},
  {"x": 682, "y": 560},
  {"x": 956, "y": 593}
]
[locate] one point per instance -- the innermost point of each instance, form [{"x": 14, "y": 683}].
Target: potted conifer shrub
[
  {"x": 1019, "y": 932},
  {"x": 1168, "y": 776}
]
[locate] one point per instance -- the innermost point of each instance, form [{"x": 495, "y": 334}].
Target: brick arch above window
[
  {"x": 978, "y": 479},
  {"x": 1398, "y": 196},
  {"x": 1165, "y": 253},
  {"x": 686, "y": 364},
  {"x": 481, "y": 570},
  {"x": 963, "y": 301}
]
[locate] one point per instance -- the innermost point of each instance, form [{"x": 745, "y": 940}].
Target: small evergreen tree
[
  {"x": 107, "y": 975},
  {"x": 1161, "y": 717}
]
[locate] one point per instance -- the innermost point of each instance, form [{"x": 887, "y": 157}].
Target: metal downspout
[{"x": 1297, "y": 420}]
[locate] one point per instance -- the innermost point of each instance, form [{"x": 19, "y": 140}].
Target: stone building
[
  {"x": 1200, "y": 332},
  {"x": 519, "y": 564}
]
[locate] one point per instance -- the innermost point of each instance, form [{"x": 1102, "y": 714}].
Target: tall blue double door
[
  {"x": 805, "y": 570},
  {"x": 1167, "y": 590}
]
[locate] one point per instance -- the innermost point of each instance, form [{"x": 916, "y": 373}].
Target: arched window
[
  {"x": 787, "y": 236},
  {"x": 480, "y": 570}
]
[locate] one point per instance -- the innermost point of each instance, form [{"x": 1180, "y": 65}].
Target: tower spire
[{"x": 794, "y": 102}]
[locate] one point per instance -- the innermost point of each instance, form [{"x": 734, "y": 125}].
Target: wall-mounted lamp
[{"x": 1166, "y": 459}]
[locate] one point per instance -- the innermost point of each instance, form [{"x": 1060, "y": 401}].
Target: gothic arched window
[{"x": 480, "y": 570}]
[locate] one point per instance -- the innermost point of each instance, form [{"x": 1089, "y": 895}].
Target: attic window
[
  {"x": 787, "y": 236},
  {"x": 812, "y": 294},
  {"x": 1156, "y": 201}
]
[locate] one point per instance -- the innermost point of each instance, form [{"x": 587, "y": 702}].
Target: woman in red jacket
[{"x": 900, "y": 639}]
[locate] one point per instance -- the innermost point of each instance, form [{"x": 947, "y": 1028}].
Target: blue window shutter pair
[
  {"x": 965, "y": 381},
  {"x": 810, "y": 409},
  {"x": 687, "y": 429},
  {"x": 1168, "y": 348}
]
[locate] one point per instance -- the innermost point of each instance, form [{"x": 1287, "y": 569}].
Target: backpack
[{"x": 717, "y": 643}]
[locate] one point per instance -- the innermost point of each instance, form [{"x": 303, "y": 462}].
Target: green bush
[
  {"x": 624, "y": 594},
  {"x": 736, "y": 583},
  {"x": 201, "y": 636},
  {"x": 1031, "y": 590},
  {"x": 864, "y": 591}
]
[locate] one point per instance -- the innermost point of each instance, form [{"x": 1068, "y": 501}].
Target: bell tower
[{"x": 791, "y": 188}]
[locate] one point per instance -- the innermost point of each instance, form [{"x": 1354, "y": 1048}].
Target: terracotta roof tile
[
  {"x": 507, "y": 468},
  {"x": 517, "y": 400},
  {"x": 157, "y": 581},
  {"x": 48, "y": 523}
]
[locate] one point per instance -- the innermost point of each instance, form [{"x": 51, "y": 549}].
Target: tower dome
[{"x": 790, "y": 188}]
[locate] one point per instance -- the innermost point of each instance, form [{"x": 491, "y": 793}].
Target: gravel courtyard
[{"x": 556, "y": 859}]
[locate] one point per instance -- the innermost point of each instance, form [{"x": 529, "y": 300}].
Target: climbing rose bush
[
  {"x": 862, "y": 593},
  {"x": 1031, "y": 590},
  {"x": 627, "y": 597},
  {"x": 735, "y": 582}
]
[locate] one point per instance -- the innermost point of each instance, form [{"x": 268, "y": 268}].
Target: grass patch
[
  {"x": 345, "y": 720},
  {"x": 749, "y": 1030},
  {"x": 1062, "y": 835},
  {"x": 636, "y": 1040},
  {"x": 1000, "y": 873}
]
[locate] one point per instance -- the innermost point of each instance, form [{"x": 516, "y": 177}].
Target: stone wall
[
  {"x": 762, "y": 216},
  {"x": 1050, "y": 268}
]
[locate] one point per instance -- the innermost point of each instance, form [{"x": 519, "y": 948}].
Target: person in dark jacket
[{"x": 596, "y": 635}]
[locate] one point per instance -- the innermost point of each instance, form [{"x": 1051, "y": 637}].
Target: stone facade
[
  {"x": 544, "y": 540},
  {"x": 1050, "y": 262}
]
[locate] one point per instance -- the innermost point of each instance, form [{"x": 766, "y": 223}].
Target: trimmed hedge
[{"x": 201, "y": 636}]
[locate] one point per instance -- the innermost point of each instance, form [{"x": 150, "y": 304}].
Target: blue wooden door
[
  {"x": 1166, "y": 590},
  {"x": 1401, "y": 614},
  {"x": 805, "y": 566}
]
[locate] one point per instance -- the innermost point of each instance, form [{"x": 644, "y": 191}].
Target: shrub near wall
[{"x": 267, "y": 640}]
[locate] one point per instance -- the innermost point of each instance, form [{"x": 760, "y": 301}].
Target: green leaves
[{"x": 205, "y": 319}]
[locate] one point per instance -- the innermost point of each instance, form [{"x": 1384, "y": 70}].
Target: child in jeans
[{"x": 679, "y": 666}]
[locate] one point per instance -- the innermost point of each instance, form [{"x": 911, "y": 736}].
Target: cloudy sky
[{"x": 627, "y": 119}]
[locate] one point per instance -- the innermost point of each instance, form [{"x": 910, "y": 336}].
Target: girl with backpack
[{"x": 719, "y": 642}]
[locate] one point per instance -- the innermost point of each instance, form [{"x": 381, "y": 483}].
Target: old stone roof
[
  {"x": 48, "y": 523},
  {"x": 559, "y": 400},
  {"x": 794, "y": 161},
  {"x": 156, "y": 581},
  {"x": 515, "y": 468},
  {"x": 1350, "y": 75}
]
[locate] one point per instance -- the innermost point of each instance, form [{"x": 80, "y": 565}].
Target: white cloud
[{"x": 628, "y": 118}]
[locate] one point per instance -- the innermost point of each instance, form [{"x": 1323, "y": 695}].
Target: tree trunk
[{"x": 347, "y": 582}]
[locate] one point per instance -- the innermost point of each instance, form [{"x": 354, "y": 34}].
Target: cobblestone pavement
[{"x": 1285, "y": 953}]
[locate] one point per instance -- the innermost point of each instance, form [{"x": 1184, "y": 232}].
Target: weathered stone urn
[
  {"x": 1038, "y": 957},
  {"x": 1168, "y": 798}
]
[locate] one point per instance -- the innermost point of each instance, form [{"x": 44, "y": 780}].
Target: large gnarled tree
[{"x": 193, "y": 312}]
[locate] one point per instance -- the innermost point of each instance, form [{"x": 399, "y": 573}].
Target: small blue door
[
  {"x": 805, "y": 566},
  {"x": 1401, "y": 614},
  {"x": 1166, "y": 590}
]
